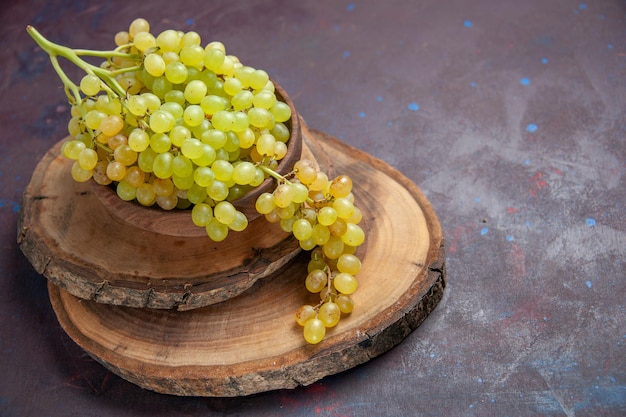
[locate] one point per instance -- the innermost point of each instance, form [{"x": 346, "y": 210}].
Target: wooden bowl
[{"x": 177, "y": 222}]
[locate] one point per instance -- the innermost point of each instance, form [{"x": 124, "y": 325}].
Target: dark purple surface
[{"x": 510, "y": 115}]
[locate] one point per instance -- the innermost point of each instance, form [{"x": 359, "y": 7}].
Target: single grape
[
  {"x": 79, "y": 174},
  {"x": 265, "y": 203},
  {"x": 138, "y": 140},
  {"x": 217, "y": 190},
  {"x": 345, "y": 283},
  {"x": 125, "y": 155},
  {"x": 163, "y": 187},
  {"x": 195, "y": 91},
  {"x": 138, "y": 25},
  {"x": 125, "y": 191},
  {"x": 314, "y": 330},
  {"x": 154, "y": 64},
  {"x": 134, "y": 176},
  {"x": 320, "y": 234},
  {"x": 192, "y": 54},
  {"x": 116, "y": 171},
  {"x": 225, "y": 212},
  {"x": 167, "y": 202},
  {"x": 163, "y": 165},
  {"x": 354, "y": 235},
  {"x": 327, "y": 216},
  {"x": 201, "y": 214},
  {"x": 223, "y": 170},
  {"x": 283, "y": 195},
  {"x": 216, "y": 230},
  {"x": 240, "y": 222},
  {"x": 329, "y": 313},
  {"x": 316, "y": 280},
  {"x": 341, "y": 186},
  {"x": 345, "y": 303},
  {"x": 304, "y": 314},
  {"x": 88, "y": 159},
  {"x": 90, "y": 85},
  {"x": 144, "y": 41},
  {"x": 145, "y": 194},
  {"x": 333, "y": 248},
  {"x": 302, "y": 229}
]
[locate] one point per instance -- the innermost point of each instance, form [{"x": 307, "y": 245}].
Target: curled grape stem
[{"x": 54, "y": 50}]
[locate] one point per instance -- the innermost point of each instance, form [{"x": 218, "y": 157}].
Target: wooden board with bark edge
[
  {"x": 79, "y": 241},
  {"x": 251, "y": 343}
]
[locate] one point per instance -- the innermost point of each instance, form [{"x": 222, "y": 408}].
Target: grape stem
[
  {"x": 281, "y": 179},
  {"x": 72, "y": 55}
]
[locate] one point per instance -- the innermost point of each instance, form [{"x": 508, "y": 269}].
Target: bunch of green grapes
[{"x": 167, "y": 121}]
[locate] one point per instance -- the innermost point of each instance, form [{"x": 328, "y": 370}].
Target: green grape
[
  {"x": 264, "y": 99},
  {"x": 203, "y": 176},
  {"x": 175, "y": 96},
  {"x": 281, "y": 112},
  {"x": 345, "y": 283},
  {"x": 178, "y": 135},
  {"x": 232, "y": 86},
  {"x": 216, "y": 138},
  {"x": 304, "y": 314},
  {"x": 137, "y": 105},
  {"x": 182, "y": 183},
  {"x": 167, "y": 202},
  {"x": 302, "y": 229},
  {"x": 144, "y": 41},
  {"x": 305, "y": 171},
  {"x": 357, "y": 216},
  {"x": 90, "y": 85},
  {"x": 345, "y": 303},
  {"x": 320, "y": 183},
  {"x": 192, "y": 148},
  {"x": 232, "y": 143},
  {"x": 300, "y": 192},
  {"x": 111, "y": 125},
  {"x": 201, "y": 214},
  {"x": 286, "y": 212},
  {"x": 176, "y": 72},
  {"x": 228, "y": 67},
  {"x": 163, "y": 187},
  {"x": 242, "y": 100},
  {"x": 265, "y": 144},
  {"x": 217, "y": 190},
  {"x": 260, "y": 118},
  {"x": 240, "y": 222},
  {"x": 74, "y": 126},
  {"x": 354, "y": 235},
  {"x": 349, "y": 263},
  {"x": 125, "y": 191},
  {"x": 223, "y": 120},
  {"x": 163, "y": 165},
  {"x": 134, "y": 176},
  {"x": 160, "y": 142},
  {"x": 192, "y": 55},
  {"x": 281, "y": 132},
  {"x": 283, "y": 195},
  {"x": 213, "y": 58},
  {"x": 240, "y": 123},
  {"x": 212, "y": 103},
  {"x": 145, "y": 159},
  {"x": 329, "y": 314},
  {"x": 93, "y": 119},
  {"x": 138, "y": 140},
  {"x": 121, "y": 38},
  {"x": 244, "y": 172},
  {"x": 286, "y": 224},
  {"x": 341, "y": 186},
  {"x": 145, "y": 194},
  {"x": 154, "y": 64},
  {"x": 79, "y": 174},
  {"x": 246, "y": 138},
  {"x": 333, "y": 248},
  {"x": 320, "y": 234},
  {"x": 216, "y": 230},
  {"x": 265, "y": 203},
  {"x": 138, "y": 25},
  {"x": 151, "y": 100},
  {"x": 208, "y": 156},
  {"x": 162, "y": 121},
  {"x": 223, "y": 170},
  {"x": 195, "y": 91},
  {"x": 116, "y": 171},
  {"x": 316, "y": 280},
  {"x": 161, "y": 86},
  {"x": 314, "y": 331},
  {"x": 125, "y": 155},
  {"x": 326, "y": 216},
  {"x": 169, "y": 41},
  {"x": 73, "y": 148},
  {"x": 344, "y": 208},
  {"x": 196, "y": 194},
  {"x": 225, "y": 212},
  {"x": 193, "y": 115},
  {"x": 258, "y": 79},
  {"x": 280, "y": 150},
  {"x": 307, "y": 244},
  {"x": 259, "y": 177},
  {"x": 182, "y": 166},
  {"x": 99, "y": 173},
  {"x": 174, "y": 109}
]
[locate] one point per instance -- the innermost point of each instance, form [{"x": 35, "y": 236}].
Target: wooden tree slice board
[{"x": 251, "y": 343}]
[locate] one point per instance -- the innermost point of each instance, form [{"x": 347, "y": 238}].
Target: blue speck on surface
[
  {"x": 484, "y": 231},
  {"x": 350, "y": 7},
  {"x": 528, "y": 223},
  {"x": 610, "y": 46},
  {"x": 189, "y": 22},
  {"x": 527, "y": 162},
  {"x": 524, "y": 81},
  {"x": 473, "y": 84},
  {"x": 477, "y": 199},
  {"x": 582, "y": 6},
  {"x": 510, "y": 238},
  {"x": 379, "y": 98},
  {"x": 590, "y": 222},
  {"x": 589, "y": 284},
  {"x": 362, "y": 114},
  {"x": 544, "y": 60},
  {"x": 346, "y": 54},
  {"x": 413, "y": 106},
  {"x": 467, "y": 23},
  {"x": 432, "y": 355},
  {"x": 531, "y": 127}
]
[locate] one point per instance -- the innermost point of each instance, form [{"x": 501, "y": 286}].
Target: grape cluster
[
  {"x": 169, "y": 122},
  {"x": 194, "y": 126},
  {"x": 322, "y": 215}
]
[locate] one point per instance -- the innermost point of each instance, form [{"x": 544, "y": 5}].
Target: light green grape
[
  {"x": 240, "y": 222},
  {"x": 163, "y": 166},
  {"x": 125, "y": 191},
  {"x": 345, "y": 303},
  {"x": 314, "y": 331},
  {"x": 201, "y": 214},
  {"x": 354, "y": 235},
  {"x": 345, "y": 283},
  {"x": 195, "y": 91},
  {"x": 154, "y": 64},
  {"x": 327, "y": 216},
  {"x": 193, "y": 115},
  {"x": 329, "y": 314},
  {"x": 302, "y": 229},
  {"x": 90, "y": 85},
  {"x": 176, "y": 72},
  {"x": 216, "y": 230},
  {"x": 223, "y": 170}
]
